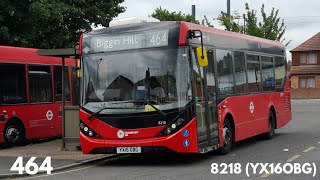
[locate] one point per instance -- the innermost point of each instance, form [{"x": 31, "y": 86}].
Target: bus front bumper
[{"x": 171, "y": 143}]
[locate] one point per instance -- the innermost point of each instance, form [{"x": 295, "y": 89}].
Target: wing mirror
[{"x": 201, "y": 52}]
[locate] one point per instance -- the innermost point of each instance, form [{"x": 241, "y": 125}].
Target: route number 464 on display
[{"x": 31, "y": 167}]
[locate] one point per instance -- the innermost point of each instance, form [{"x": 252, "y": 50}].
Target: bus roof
[
  {"x": 212, "y": 36},
  {"x": 132, "y": 20},
  {"x": 186, "y": 26},
  {"x": 10, "y": 54}
]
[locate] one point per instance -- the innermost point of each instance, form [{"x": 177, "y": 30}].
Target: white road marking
[
  {"x": 305, "y": 102},
  {"x": 293, "y": 158},
  {"x": 63, "y": 172},
  {"x": 308, "y": 149},
  {"x": 265, "y": 175},
  {"x": 72, "y": 170}
]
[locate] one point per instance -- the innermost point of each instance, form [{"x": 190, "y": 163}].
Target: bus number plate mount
[{"x": 123, "y": 150}]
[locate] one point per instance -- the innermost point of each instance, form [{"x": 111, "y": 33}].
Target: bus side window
[
  {"x": 58, "y": 83},
  {"x": 225, "y": 71},
  {"x": 280, "y": 72},
  {"x": 253, "y": 73},
  {"x": 12, "y": 83},
  {"x": 240, "y": 72},
  {"x": 40, "y": 84},
  {"x": 267, "y": 73}
]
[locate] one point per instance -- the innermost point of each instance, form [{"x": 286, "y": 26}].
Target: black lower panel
[{"x": 144, "y": 119}]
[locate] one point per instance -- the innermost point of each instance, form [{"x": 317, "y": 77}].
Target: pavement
[
  {"x": 306, "y": 101},
  {"x": 60, "y": 159}
]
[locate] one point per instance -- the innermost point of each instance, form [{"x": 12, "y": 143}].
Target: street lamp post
[
  {"x": 228, "y": 8},
  {"x": 244, "y": 24},
  {"x": 193, "y": 11}
]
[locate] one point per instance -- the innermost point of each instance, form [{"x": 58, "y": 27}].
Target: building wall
[
  {"x": 294, "y": 82},
  {"x": 304, "y": 93}
]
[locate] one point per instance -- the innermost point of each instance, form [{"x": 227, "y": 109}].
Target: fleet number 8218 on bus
[{"x": 179, "y": 87}]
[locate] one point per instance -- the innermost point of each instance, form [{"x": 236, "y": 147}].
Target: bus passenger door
[
  {"x": 206, "y": 111},
  {"x": 212, "y": 97}
]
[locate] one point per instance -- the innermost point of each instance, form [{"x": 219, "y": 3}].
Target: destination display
[{"x": 130, "y": 41}]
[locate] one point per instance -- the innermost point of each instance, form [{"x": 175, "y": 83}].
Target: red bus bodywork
[
  {"x": 33, "y": 116},
  {"x": 236, "y": 108}
]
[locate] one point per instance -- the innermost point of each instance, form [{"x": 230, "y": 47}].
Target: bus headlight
[
  {"x": 87, "y": 131},
  {"x": 81, "y": 125},
  {"x": 173, "y": 127}
]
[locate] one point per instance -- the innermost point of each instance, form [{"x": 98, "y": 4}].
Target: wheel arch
[
  {"x": 231, "y": 120},
  {"x": 17, "y": 121},
  {"x": 273, "y": 110}
]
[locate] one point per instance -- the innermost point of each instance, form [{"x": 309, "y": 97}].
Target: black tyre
[
  {"x": 228, "y": 137},
  {"x": 14, "y": 135},
  {"x": 271, "y": 127}
]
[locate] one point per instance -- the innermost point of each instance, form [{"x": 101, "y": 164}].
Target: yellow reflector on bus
[{"x": 148, "y": 108}]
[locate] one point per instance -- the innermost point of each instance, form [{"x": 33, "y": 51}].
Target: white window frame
[
  {"x": 309, "y": 82},
  {"x": 306, "y": 58}
]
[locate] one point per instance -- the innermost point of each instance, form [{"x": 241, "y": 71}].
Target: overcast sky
[{"x": 302, "y": 17}]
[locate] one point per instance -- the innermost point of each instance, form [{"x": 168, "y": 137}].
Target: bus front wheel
[
  {"x": 227, "y": 137},
  {"x": 14, "y": 135}
]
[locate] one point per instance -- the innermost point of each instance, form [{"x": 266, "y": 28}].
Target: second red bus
[{"x": 31, "y": 94}]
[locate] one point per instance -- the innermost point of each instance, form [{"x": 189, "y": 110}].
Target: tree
[
  {"x": 205, "y": 22},
  {"x": 52, "y": 23},
  {"x": 271, "y": 26},
  {"x": 228, "y": 22},
  {"x": 165, "y": 15}
]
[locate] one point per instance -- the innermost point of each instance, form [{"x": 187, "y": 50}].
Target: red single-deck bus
[
  {"x": 31, "y": 94},
  {"x": 151, "y": 87}
]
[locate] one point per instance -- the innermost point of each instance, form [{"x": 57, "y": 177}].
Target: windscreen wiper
[
  {"x": 148, "y": 102},
  {"x": 96, "y": 113}
]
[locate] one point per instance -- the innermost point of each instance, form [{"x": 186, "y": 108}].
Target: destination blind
[{"x": 129, "y": 41}]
